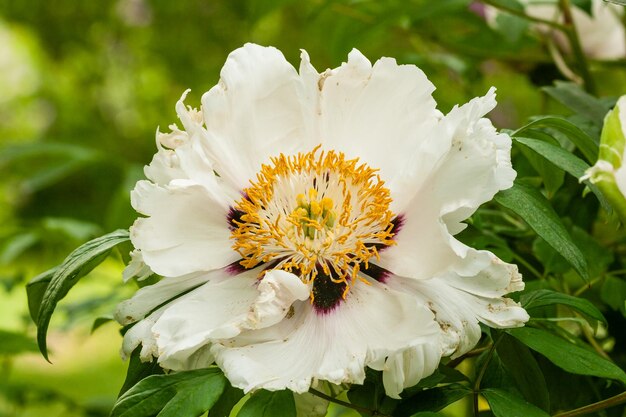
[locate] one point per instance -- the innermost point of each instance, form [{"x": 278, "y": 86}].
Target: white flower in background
[
  {"x": 602, "y": 34},
  {"x": 609, "y": 172},
  {"x": 304, "y": 225}
]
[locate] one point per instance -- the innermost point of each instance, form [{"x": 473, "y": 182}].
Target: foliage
[{"x": 97, "y": 77}]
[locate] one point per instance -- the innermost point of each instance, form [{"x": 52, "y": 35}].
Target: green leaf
[
  {"x": 269, "y": 404},
  {"x": 585, "y": 143},
  {"x": 229, "y": 398},
  {"x": 138, "y": 370},
  {"x": 35, "y": 290},
  {"x": 78, "y": 264},
  {"x": 543, "y": 298},
  {"x": 551, "y": 175},
  {"x": 573, "y": 96},
  {"x": 565, "y": 160},
  {"x": 533, "y": 207},
  {"x": 567, "y": 356},
  {"x": 523, "y": 368},
  {"x": 434, "y": 399},
  {"x": 181, "y": 394},
  {"x": 12, "y": 343},
  {"x": 506, "y": 404}
]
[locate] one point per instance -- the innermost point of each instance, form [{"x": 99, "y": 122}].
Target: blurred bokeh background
[{"x": 84, "y": 86}]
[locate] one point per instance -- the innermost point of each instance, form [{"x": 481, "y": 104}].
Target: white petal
[
  {"x": 255, "y": 112},
  {"x": 406, "y": 368},
  {"x": 459, "y": 311},
  {"x": 373, "y": 323},
  {"x": 382, "y": 114},
  {"x": 187, "y": 230},
  {"x": 476, "y": 166},
  {"x": 227, "y": 307},
  {"x": 148, "y": 298},
  {"x": 136, "y": 268}
]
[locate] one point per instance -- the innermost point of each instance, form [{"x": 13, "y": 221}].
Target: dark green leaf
[
  {"x": 542, "y": 298},
  {"x": 585, "y": 143},
  {"x": 229, "y": 398},
  {"x": 181, "y": 394},
  {"x": 523, "y": 368},
  {"x": 434, "y": 399},
  {"x": 567, "y": 356},
  {"x": 506, "y": 404},
  {"x": 577, "y": 99},
  {"x": 78, "y": 264},
  {"x": 35, "y": 290},
  {"x": 138, "y": 370},
  {"x": 551, "y": 175},
  {"x": 563, "y": 159},
  {"x": 269, "y": 404},
  {"x": 369, "y": 394},
  {"x": 12, "y": 343},
  {"x": 533, "y": 207}
]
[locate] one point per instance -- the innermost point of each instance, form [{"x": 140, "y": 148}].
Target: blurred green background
[{"x": 84, "y": 86}]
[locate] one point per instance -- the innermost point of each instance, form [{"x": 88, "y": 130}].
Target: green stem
[
  {"x": 569, "y": 28},
  {"x": 481, "y": 373},
  {"x": 520, "y": 13},
  {"x": 591, "y": 408},
  {"x": 360, "y": 409}
]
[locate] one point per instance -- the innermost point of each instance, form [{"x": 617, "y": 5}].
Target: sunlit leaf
[
  {"x": 181, "y": 394},
  {"x": 78, "y": 264}
]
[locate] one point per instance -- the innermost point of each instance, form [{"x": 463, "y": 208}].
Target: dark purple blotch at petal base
[
  {"x": 378, "y": 273},
  {"x": 326, "y": 294},
  {"x": 234, "y": 217},
  {"x": 396, "y": 225}
]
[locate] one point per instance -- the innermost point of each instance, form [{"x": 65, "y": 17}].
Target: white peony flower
[
  {"x": 304, "y": 223},
  {"x": 602, "y": 34}
]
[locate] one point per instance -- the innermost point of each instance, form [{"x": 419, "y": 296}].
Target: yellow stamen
[{"x": 285, "y": 220}]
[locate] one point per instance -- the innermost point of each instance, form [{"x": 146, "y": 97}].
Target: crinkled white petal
[
  {"x": 476, "y": 166},
  {"x": 186, "y": 231},
  {"x": 227, "y": 307},
  {"x": 136, "y": 268},
  {"x": 373, "y": 323},
  {"x": 383, "y": 114},
  {"x": 458, "y": 310},
  {"x": 257, "y": 110}
]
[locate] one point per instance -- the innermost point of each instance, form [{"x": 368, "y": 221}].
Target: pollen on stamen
[{"x": 316, "y": 214}]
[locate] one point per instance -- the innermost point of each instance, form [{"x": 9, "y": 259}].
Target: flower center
[{"x": 315, "y": 214}]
